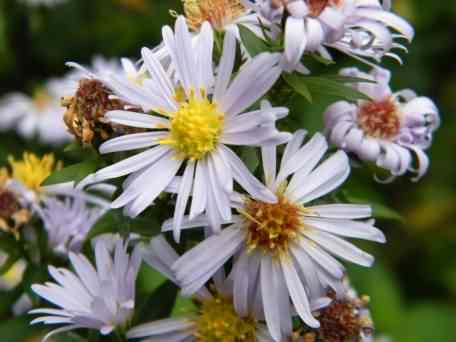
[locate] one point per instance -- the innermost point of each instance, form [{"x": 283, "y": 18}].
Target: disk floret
[
  {"x": 85, "y": 112},
  {"x": 219, "y": 322},
  {"x": 272, "y": 226},
  {"x": 195, "y": 128},
  {"x": 217, "y": 12},
  {"x": 380, "y": 119}
]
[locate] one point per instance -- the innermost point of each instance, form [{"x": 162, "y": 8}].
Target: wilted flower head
[
  {"x": 390, "y": 129},
  {"x": 219, "y": 13},
  {"x": 102, "y": 299},
  {"x": 86, "y": 109}
]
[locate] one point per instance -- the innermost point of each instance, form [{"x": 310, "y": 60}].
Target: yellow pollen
[
  {"x": 271, "y": 227},
  {"x": 195, "y": 128},
  {"x": 379, "y": 119},
  {"x": 33, "y": 171},
  {"x": 218, "y": 13},
  {"x": 41, "y": 99},
  {"x": 218, "y": 322}
]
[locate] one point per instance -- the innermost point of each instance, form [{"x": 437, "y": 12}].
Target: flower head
[
  {"x": 69, "y": 220},
  {"x": 284, "y": 249},
  {"x": 101, "y": 298},
  {"x": 389, "y": 129},
  {"x": 357, "y": 28},
  {"x": 32, "y": 170},
  {"x": 86, "y": 108},
  {"x": 195, "y": 116},
  {"x": 39, "y": 115},
  {"x": 214, "y": 318},
  {"x": 219, "y": 13}
]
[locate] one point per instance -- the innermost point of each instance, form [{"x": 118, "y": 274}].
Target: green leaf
[
  {"x": 252, "y": 42},
  {"x": 379, "y": 210},
  {"x": 75, "y": 172},
  {"x": 183, "y": 306},
  {"x": 16, "y": 330},
  {"x": 298, "y": 85},
  {"x": 384, "y": 291},
  {"x": 249, "y": 156},
  {"x": 331, "y": 86},
  {"x": 158, "y": 305},
  {"x": 321, "y": 59},
  {"x": 67, "y": 337}
]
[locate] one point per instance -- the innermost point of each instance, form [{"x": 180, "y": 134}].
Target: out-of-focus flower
[
  {"x": 101, "y": 298},
  {"x": 13, "y": 276},
  {"x": 219, "y": 13},
  {"x": 215, "y": 319},
  {"x": 26, "y": 176},
  {"x": 199, "y": 117},
  {"x": 284, "y": 250},
  {"x": 47, "y": 3},
  {"x": 347, "y": 318},
  {"x": 86, "y": 109},
  {"x": 356, "y": 27},
  {"x": 390, "y": 129},
  {"x": 69, "y": 220},
  {"x": 39, "y": 115}
]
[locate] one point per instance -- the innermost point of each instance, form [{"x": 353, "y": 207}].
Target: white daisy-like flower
[
  {"x": 215, "y": 318},
  {"x": 198, "y": 118},
  {"x": 390, "y": 129},
  {"x": 358, "y": 28},
  {"x": 68, "y": 216},
  {"x": 40, "y": 115},
  {"x": 284, "y": 249},
  {"x": 47, "y": 3},
  {"x": 101, "y": 298}
]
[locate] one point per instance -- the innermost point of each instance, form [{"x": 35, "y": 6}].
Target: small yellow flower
[{"x": 32, "y": 171}]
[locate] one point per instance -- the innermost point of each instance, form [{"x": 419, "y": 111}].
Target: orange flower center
[
  {"x": 271, "y": 227},
  {"x": 379, "y": 119}
]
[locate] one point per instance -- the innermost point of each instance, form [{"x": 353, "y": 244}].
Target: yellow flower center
[
  {"x": 379, "y": 119},
  {"x": 271, "y": 227},
  {"x": 41, "y": 99},
  {"x": 33, "y": 171},
  {"x": 217, "y": 12},
  {"x": 218, "y": 322},
  {"x": 195, "y": 128}
]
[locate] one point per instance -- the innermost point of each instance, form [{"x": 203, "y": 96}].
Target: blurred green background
[{"x": 413, "y": 284}]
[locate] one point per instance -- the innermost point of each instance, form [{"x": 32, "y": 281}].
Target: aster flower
[
  {"x": 285, "y": 249},
  {"x": 68, "y": 220},
  {"x": 198, "y": 117},
  {"x": 39, "y": 115},
  {"x": 101, "y": 298},
  {"x": 356, "y": 27},
  {"x": 25, "y": 177},
  {"x": 390, "y": 129},
  {"x": 215, "y": 318}
]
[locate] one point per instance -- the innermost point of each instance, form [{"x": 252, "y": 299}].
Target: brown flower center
[
  {"x": 379, "y": 119},
  {"x": 8, "y": 204},
  {"x": 272, "y": 226},
  {"x": 339, "y": 322},
  {"x": 86, "y": 110},
  {"x": 316, "y": 7}
]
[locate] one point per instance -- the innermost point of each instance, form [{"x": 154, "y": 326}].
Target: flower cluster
[{"x": 198, "y": 131}]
